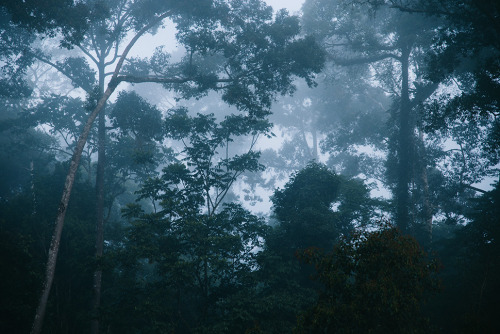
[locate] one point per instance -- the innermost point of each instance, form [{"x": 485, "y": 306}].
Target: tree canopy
[{"x": 232, "y": 175}]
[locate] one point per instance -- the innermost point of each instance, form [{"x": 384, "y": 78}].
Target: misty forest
[{"x": 228, "y": 166}]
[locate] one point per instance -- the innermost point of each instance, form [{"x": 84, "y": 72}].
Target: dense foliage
[
  {"x": 167, "y": 229},
  {"x": 373, "y": 282}
]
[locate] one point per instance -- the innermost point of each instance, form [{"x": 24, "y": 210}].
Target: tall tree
[
  {"x": 201, "y": 247},
  {"x": 465, "y": 59},
  {"x": 231, "y": 35},
  {"x": 356, "y": 33},
  {"x": 108, "y": 25},
  {"x": 372, "y": 282},
  {"x": 314, "y": 209}
]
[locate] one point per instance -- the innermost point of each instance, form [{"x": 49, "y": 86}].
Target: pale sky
[{"x": 292, "y": 5}]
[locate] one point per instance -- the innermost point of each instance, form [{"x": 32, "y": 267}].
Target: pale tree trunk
[
  {"x": 61, "y": 213},
  {"x": 70, "y": 179},
  {"x": 315, "y": 144},
  {"x": 312, "y": 151}
]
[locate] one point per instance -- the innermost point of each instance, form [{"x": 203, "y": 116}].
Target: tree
[
  {"x": 400, "y": 64},
  {"x": 201, "y": 248},
  {"x": 470, "y": 271},
  {"x": 372, "y": 282},
  {"x": 277, "y": 56},
  {"x": 109, "y": 23},
  {"x": 307, "y": 199},
  {"x": 467, "y": 61},
  {"x": 314, "y": 209}
]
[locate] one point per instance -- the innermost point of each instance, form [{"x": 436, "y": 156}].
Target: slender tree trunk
[
  {"x": 427, "y": 209},
  {"x": 33, "y": 193},
  {"x": 404, "y": 148},
  {"x": 315, "y": 144},
  {"x": 99, "y": 245},
  {"x": 90, "y": 169},
  {"x": 70, "y": 179}
]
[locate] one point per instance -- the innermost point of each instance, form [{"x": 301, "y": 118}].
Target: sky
[{"x": 292, "y": 5}]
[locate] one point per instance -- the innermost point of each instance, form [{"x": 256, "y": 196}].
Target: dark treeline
[{"x": 132, "y": 187}]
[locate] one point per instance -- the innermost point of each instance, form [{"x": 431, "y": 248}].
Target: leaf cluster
[{"x": 373, "y": 282}]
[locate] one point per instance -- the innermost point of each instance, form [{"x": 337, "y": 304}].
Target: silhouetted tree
[{"x": 372, "y": 282}]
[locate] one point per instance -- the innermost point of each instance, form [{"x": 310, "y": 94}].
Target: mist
[{"x": 313, "y": 166}]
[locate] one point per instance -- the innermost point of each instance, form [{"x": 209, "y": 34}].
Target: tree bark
[{"x": 70, "y": 179}]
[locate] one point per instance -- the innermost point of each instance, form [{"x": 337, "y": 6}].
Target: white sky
[{"x": 292, "y": 5}]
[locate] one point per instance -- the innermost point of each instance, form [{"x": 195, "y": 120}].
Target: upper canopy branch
[
  {"x": 363, "y": 60},
  {"x": 419, "y": 11},
  {"x": 87, "y": 88},
  {"x": 158, "y": 79}
]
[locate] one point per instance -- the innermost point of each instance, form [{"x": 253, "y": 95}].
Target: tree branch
[
  {"x": 60, "y": 69},
  {"x": 363, "y": 60},
  {"x": 419, "y": 11},
  {"x": 159, "y": 79},
  {"x": 88, "y": 54}
]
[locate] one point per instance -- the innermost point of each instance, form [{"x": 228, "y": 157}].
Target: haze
[{"x": 210, "y": 166}]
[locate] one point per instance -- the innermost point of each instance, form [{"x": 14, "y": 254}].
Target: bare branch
[
  {"x": 88, "y": 54},
  {"x": 60, "y": 69}
]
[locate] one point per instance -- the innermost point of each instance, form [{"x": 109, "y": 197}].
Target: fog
[{"x": 228, "y": 167}]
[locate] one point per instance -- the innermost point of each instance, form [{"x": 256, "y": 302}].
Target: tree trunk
[
  {"x": 404, "y": 147},
  {"x": 427, "y": 203},
  {"x": 315, "y": 144},
  {"x": 33, "y": 193}
]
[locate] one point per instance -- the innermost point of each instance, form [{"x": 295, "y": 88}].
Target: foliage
[
  {"x": 466, "y": 56},
  {"x": 66, "y": 16},
  {"x": 471, "y": 270},
  {"x": 25, "y": 229},
  {"x": 316, "y": 206},
  {"x": 197, "y": 247},
  {"x": 314, "y": 209},
  {"x": 303, "y": 208},
  {"x": 188, "y": 256},
  {"x": 220, "y": 49},
  {"x": 373, "y": 282},
  {"x": 14, "y": 61},
  {"x": 135, "y": 139}
]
